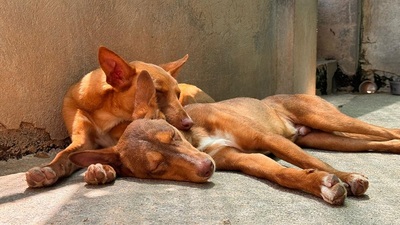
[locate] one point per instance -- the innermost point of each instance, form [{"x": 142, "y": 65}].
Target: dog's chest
[
  {"x": 104, "y": 123},
  {"x": 216, "y": 140}
]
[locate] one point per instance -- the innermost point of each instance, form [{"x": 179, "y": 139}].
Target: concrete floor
[{"x": 229, "y": 198}]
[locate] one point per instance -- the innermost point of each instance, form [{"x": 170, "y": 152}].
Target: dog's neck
[{"x": 194, "y": 135}]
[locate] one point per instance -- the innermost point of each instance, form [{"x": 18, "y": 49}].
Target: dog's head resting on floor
[
  {"x": 151, "y": 148},
  {"x": 122, "y": 77}
]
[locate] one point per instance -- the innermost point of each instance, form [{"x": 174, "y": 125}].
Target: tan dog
[
  {"x": 237, "y": 134},
  {"x": 98, "y": 108}
]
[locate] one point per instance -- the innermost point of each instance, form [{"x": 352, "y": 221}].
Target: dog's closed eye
[
  {"x": 155, "y": 162},
  {"x": 165, "y": 137}
]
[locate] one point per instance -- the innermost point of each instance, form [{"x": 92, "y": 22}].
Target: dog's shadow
[
  {"x": 210, "y": 185},
  {"x": 158, "y": 182}
]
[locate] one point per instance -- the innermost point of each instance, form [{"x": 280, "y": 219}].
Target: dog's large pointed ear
[
  {"x": 145, "y": 98},
  {"x": 119, "y": 73},
  {"x": 107, "y": 156},
  {"x": 174, "y": 67}
]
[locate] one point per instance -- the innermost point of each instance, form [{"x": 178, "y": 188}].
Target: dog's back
[
  {"x": 237, "y": 113},
  {"x": 241, "y": 120}
]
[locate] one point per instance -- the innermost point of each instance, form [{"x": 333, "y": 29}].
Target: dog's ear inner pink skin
[{"x": 118, "y": 72}]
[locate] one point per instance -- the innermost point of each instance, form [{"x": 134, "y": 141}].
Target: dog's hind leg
[
  {"x": 333, "y": 142},
  {"x": 314, "y": 112},
  {"x": 319, "y": 183}
]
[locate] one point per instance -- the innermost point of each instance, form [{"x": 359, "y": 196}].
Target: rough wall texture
[
  {"x": 380, "y": 48},
  {"x": 236, "y": 48},
  {"x": 338, "y": 33},
  {"x": 363, "y": 37}
]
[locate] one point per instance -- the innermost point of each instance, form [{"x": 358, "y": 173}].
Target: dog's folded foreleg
[{"x": 60, "y": 166}]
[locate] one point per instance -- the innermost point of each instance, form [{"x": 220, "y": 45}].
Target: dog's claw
[
  {"x": 357, "y": 184},
  {"x": 333, "y": 190},
  {"x": 99, "y": 174},
  {"x": 40, "y": 177}
]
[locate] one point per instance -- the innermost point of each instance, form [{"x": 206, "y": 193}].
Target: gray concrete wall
[
  {"x": 339, "y": 33},
  {"x": 362, "y": 35},
  {"x": 380, "y": 38},
  {"x": 237, "y": 48}
]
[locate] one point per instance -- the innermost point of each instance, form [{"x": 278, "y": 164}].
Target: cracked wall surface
[
  {"x": 15, "y": 143},
  {"x": 380, "y": 36},
  {"x": 338, "y": 33}
]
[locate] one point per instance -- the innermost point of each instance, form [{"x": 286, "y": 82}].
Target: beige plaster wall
[{"x": 237, "y": 48}]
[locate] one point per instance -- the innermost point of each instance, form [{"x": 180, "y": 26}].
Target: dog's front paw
[
  {"x": 357, "y": 184},
  {"x": 100, "y": 174},
  {"x": 40, "y": 177},
  {"x": 333, "y": 190}
]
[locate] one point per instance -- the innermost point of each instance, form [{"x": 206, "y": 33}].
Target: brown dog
[
  {"x": 98, "y": 108},
  {"x": 237, "y": 134},
  {"x": 146, "y": 149}
]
